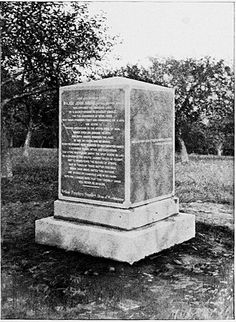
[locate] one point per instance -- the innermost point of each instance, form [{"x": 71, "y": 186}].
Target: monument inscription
[{"x": 92, "y": 144}]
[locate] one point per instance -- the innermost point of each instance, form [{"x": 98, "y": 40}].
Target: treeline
[
  {"x": 204, "y": 100},
  {"x": 45, "y": 46},
  {"x": 204, "y": 105}
]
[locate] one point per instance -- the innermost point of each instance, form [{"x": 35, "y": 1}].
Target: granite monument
[{"x": 116, "y": 172}]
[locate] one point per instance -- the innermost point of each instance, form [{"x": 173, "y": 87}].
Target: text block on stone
[{"x": 92, "y": 144}]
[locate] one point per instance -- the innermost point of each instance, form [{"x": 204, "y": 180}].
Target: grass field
[
  {"x": 206, "y": 179},
  {"x": 209, "y": 179},
  {"x": 193, "y": 280}
]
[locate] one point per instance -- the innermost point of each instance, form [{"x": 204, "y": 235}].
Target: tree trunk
[
  {"x": 27, "y": 140},
  {"x": 183, "y": 151},
  {"x": 42, "y": 143},
  {"x": 55, "y": 140},
  {"x": 219, "y": 149},
  {"x": 11, "y": 142},
  {"x": 6, "y": 161}
]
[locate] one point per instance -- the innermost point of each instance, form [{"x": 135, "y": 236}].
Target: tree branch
[
  {"x": 26, "y": 94},
  {"x": 8, "y": 80}
]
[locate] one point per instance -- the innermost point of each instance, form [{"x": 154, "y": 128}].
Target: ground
[{"x": 193, "y": 280}]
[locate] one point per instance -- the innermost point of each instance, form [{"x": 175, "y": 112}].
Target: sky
[{"x": 169, "y": 29}]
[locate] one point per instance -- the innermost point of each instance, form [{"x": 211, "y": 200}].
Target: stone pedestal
[
  {"x": 116, "y": 172},
  {"x": 126, "y": 219}
]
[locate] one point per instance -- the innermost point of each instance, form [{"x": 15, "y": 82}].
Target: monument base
[
  {"x": 121, "y": 245},
  {"x": 132, "y": 218}
]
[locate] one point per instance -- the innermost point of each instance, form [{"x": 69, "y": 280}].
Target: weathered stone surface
[
  {"x": 115, "y": 217},
  {"x": 151, "y": 130},
  {"x": 126, "y": 246},
  {"x": 116, "y": 142},
  {"x": 151, "y": 114},
  {"x": 151, "y": 171}
]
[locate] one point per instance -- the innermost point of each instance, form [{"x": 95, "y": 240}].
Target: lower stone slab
[
  {"x": 125, "y": 246},
  {"x": 127, "y": 219}
]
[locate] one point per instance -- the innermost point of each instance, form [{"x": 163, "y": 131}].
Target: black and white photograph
[{"x": 117, "y": 160}]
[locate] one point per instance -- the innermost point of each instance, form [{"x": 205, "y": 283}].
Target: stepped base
[
  {"x": 115, "y": 217},
  {"x": 121, "y": 245}
]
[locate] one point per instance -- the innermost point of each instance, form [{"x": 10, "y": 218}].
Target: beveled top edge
[{"x": 115, "y": 82}]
